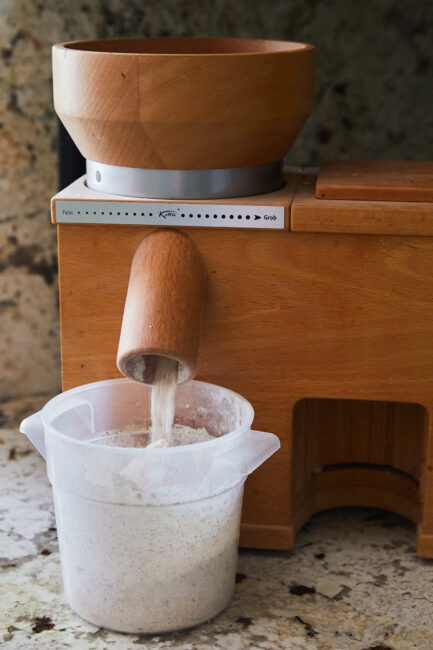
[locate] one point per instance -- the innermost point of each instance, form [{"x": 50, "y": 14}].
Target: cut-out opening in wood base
[{"x": 356, "y": 453}]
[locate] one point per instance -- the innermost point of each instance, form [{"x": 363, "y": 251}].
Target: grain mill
[{"x": 318, "y": 304}]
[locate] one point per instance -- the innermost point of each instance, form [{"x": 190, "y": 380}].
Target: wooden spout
[{"x": 163, "y": 308}]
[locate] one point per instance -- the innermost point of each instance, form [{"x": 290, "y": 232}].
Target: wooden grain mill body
[{"x": 326, "y": 327}]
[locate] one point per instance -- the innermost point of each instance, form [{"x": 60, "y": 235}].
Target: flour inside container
[{"x": 137, "y": 436}]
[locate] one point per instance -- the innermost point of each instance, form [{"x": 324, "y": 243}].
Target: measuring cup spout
[{"x": 33, "y": 428}]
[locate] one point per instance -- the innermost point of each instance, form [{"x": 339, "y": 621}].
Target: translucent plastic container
[{"x": 148, "y": 537}]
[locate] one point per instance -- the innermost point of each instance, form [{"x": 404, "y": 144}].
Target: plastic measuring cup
[{"x": 148, "y": 538}]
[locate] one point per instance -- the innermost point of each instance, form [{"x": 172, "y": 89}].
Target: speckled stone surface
[
  {"x": 353, "y": 581},
  {"x": 374, "y": 80}
]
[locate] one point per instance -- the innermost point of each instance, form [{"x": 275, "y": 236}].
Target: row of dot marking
[{"x": 207, "y": 216}]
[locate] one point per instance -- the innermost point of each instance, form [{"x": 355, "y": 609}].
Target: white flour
[
  {"x": 162, "y": 405},
  {"x": 137, "y": 436},
  {"x": 148, "y": 569}
]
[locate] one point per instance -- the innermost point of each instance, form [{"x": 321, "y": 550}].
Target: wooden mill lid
[
  {"x": 364, "y": 212},
  {"x": 376, "y": 180}
]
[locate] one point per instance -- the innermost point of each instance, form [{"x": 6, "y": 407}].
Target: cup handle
[
  {"x": 33, "y": 428},
  {"x": 234, "y": 465},
  {"x": 249, "y": 452},
  {"x": 262, "y": 445}
]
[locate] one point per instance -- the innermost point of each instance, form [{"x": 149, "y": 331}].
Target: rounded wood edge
[
  {"x": 368, "y": 488},
  {"x": 178, "y": 46},
  {"x": 424, "y": 547},
  {"x": 148, "y": 359}
]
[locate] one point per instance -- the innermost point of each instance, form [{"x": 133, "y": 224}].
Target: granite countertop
[{"x": 353, "y": 580}]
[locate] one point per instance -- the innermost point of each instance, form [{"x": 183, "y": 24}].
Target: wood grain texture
[
  {"x": 275, "y": 537},
  {"x": 424, "y": 543},
  {"x": 376, "y": 180},
  {"x": 164, "y": 306},
  {"x": 349, "y": 452},
  {"x": 290, "y": 316},
  {"x": 310, "y": 214},
  {"x": 366, "y": 487},
  {"x": 181, "y": 103}
]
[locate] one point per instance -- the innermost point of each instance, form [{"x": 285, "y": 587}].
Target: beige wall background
[{"x": 374, "y": 82}]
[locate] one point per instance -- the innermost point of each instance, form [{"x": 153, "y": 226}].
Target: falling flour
[
  {"x": 162, "y": 404},
  {"x": 163, "y": 432}
]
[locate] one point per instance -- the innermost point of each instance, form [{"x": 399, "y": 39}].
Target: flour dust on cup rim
[{"x": 148, "y": 538}]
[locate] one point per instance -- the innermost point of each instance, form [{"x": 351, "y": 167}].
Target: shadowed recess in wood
[{"x": 357, "y": 452}]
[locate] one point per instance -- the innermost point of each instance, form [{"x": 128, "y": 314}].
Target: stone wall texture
[{"x": 374, "y": 100}]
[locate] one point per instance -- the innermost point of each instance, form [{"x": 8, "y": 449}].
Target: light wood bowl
[{"x": 183, "y": 103}]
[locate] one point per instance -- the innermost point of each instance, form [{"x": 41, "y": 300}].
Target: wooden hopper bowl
[{"x": 183, "y": 103}]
